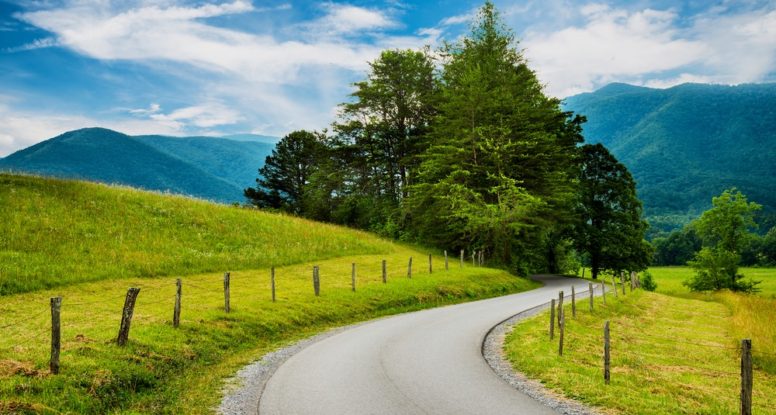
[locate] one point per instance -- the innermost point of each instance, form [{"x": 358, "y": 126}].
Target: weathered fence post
[
  {"x": 614, "y": 285},
  {"x": 603, "y": 291},
  {"x": 606, "y": 352},
  {"x": 560, "y": 306},
  {"x": 227, "y": 305},
  {"x": 56, "y": 334},
  {"x": 353, "y": 277},
  {"x": 583, "y": 272},
  {"x": 272, "y": 282},
  {"x": 632, "y": 280},
  {"x": 573, "y": 302},
  {"x": 430, "y": 267},
  {"x": 552, "y": 319},
  {"x": 409, "y": 268},
  {"x": 176, "y": 312},
  {"x": 562, "y": 327},
  {"x": 746, "y": 377},
  {"x": 622, "y": 281},
  {"x": 474, "y": 255},
  {"x": 590, "y": 289},
  {"x": 316, "y": 281},
  {"x": 482, "y": 257},
  {"x": 447, "y": 267},
  {"x": 385, "y": 273},
  {"x": 126, "y": 316},
  {"x": 462, "y": 258}
]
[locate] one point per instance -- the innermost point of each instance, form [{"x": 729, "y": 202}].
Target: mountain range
[
  {"x": 687, "y": 143},
  {"x": 205, "y": 167}
]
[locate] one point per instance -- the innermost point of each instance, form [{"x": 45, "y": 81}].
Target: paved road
[{"x": 426, "y": 362}]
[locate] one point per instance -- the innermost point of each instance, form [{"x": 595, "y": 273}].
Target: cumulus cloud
[{"x": 612, "y": 44}]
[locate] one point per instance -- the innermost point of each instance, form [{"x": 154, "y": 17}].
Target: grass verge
[
  {"x": 168, "y": 370},
  {"x": 669, "y": 355}
]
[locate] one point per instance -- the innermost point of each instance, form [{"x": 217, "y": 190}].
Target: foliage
[
  {"x": 497, "y": 174},
  {"x": 723, "y": 229},
  {"x": 609, "y": 228},
  {"x": 282, "y": 179},
  {"x": 647, "y": 282},
  {"x": 677, "y": 248}
]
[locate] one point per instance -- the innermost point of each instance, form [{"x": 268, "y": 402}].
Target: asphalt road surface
[{"x": 426, "y": 362}]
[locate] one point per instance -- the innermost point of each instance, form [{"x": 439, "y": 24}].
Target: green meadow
[
  {"x": 89, "y": 243},
  {"x": 673, "y": 351}
]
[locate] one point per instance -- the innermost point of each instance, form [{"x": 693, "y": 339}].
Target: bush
[
  {"x": 717, "y": 269},
  {"x": 647, "y": 282}
]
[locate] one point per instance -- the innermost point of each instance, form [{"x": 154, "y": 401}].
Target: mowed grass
[
  {"x": 669, "y": 280},
  {"x": 59, "y": 232},
  {"x": 670, "y": 355},
  {"x": 90, "y": 243}
]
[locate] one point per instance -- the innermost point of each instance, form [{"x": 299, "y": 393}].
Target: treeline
[{"x": 460, "y": 148}]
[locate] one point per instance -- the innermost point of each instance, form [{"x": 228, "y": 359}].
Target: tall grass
[{"x": 59, "y": 232}]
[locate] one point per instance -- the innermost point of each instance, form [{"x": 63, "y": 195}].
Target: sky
[{"x": 208, "y": 67}]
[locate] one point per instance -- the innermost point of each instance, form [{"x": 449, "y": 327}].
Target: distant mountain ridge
[
  {"x": 205, "y": 167},
  {"x": 687, "y": 143}
]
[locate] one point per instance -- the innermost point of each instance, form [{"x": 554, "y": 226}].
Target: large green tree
[
  {"x": 609, "y": 228},
  {"x": 287, "y": 171},
  {"x": 724, "y": 229},
  {"x": 498, "y": 173}
]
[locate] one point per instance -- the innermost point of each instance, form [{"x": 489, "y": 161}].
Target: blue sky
[{"x": 183, "y": 67}]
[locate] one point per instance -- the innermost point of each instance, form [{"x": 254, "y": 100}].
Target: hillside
[
  {"x": 88, "y": 243},
  {"x": 56, "y": 232},
  {"x": 205, "y": 167},
  {"x": 685, "y": 144}
]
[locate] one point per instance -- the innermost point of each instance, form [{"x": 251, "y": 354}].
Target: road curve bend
[{"x": 425, "y": 362}]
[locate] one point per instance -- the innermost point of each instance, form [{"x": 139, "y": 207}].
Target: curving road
[{"x": 426, "y": 362}]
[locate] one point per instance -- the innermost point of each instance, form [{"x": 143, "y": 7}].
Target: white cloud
[
  {"x": 46, "y": 42},
  {"x": 345, "y": 19},
  {"x": 613, "y": 44},
  {"x": 204, "y": 116},
  {"x": 152, "y": 109}
]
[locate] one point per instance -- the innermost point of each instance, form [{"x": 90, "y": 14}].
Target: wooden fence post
[
  {"x": 462, "y": 258},
  {"x": 227, "y": 305},
  {"x": 606, "y": 352},
  {"x": 353, "y": 277},
  {"x": 614, "y": 285},
  {"x": 583, "y": 272},
  {"x": 632, "y": 280},
  {"x": 562, "y": 327},
  {"x": 573, "y": 302},
  {"x": 591, "y": 289},
  {"x": 482, "y": 257},
  {"x": 316, "y": 281},
  {"x": 447, "y": 267},
  {"x": 552, "y": 319},
  {"x": 474, "y": 255},
  {"x": 560, "y": 306},
  {"x": 126, "y": 316},
  {"x": 430, "y": 267},
  {"x": 385, "y": 273},
  {"x": 622, "y": 281},
  {"x": 409, "y": 268},
  {"x": 56, "y": 334},
  {"x": 603, "y": 291},
  {"x": 272, "y": 282},
  {"x": 746, "y": 377},
  {"x": 176, "y": 312}
]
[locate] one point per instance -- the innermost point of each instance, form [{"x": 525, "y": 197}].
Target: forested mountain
[
  {"x": 206, "y": 167},
  {"x": 685, "y": 144}
]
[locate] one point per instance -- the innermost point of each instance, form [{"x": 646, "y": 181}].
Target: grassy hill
[
  {"x": 205, "y": 167},
  {"x": 685, "y": 144},
  {"x": 89, "y": 243}
]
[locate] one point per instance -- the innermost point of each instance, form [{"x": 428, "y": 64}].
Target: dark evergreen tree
[
  {"x": 282, "y": 179},
  {"x": 609, "y": 228}
]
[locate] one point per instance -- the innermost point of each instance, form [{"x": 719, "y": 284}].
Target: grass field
[
  {"x": 57, "y": 238},
  {"x": 677, "y": 351},
  {"x": 670, "y": 355},
  {"x": 56, "y": 232}
]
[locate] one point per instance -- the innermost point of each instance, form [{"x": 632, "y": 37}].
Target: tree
[
  {"x": 498, "y": 172},
  {"x": 724, "y": 229},
  {"x": 609, "y": 227},
  {"x": 678, "y": 247},
  {"x": 286, "y": 172}
]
